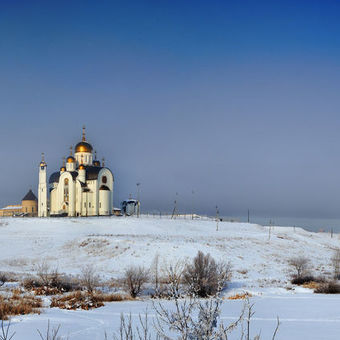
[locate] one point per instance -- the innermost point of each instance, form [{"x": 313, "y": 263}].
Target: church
[{"x": 82, "y": 187}]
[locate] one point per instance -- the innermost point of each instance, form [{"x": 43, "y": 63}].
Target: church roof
[
  {"x": 74, "y": 174},
  {"x": 92, "y": 172},
  {"x": 30, "y": 196},
  {"x": 54, "y": 177},
  {"x": 83, "y": 146}
]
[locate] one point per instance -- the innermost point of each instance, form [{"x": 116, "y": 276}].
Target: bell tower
[{"x": 42, "y": 189}]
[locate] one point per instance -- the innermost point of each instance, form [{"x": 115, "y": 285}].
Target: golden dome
[
  {"x": 81, "y": 167},
  {"x": 83, "y": 147},
  {"x": 96, "y": 163},
  {"x": 70, "y": 159},
  {"x": 62, "y": 168},
  {"x": 42, "y": 163}
]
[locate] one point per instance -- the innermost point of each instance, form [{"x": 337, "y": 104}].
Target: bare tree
[
  {"x": 5, "y": 331},
  {"x": 88, "y": 278},
  {"x": 300, "y": 265},
  {"x": 336, "y": 263},
  {"x": 51, "y": 334},
  {"x": 205, "y": 277},
  {"x": 134, "y": 279}
]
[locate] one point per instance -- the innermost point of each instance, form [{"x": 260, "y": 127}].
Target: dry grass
[
  {"x": 311, "y": 285},
  {"x": 18, "y": 304},
  {"x": 85, "y": 300},
  {"x": 239, "y": 296}
]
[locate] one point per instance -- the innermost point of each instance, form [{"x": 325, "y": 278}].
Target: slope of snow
[{"x": 112, "y": 244}]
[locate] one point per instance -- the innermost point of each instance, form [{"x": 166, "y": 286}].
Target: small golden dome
[
  {"x": 42, "y": 164},
  {"x": 62, "y": 168},
  {"x": 70, "y": 159},
  {"x": 96, "y": 163},
  {"x": 81, "y": 167}
]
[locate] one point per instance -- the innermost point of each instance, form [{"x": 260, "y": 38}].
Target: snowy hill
[{"x": 259, "y": 258}]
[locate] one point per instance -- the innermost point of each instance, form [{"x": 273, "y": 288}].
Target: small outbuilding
[{"x": 28, "y": 207}]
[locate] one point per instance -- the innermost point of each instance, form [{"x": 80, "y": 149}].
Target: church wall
[
  {"x": 104, "y": 202},
  {"x": 64, "y": 198},
  {"x": 85, "y": 158},
  {"x": 78, "y": 199},
  {"x": 92, "y": 198},
  {"x": 30, "y": 207},
  {"x": 109, "y": 183},
  {"x": 53, "y": 202}
]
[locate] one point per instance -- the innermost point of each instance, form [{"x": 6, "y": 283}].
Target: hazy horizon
[{"x": 236, "y": 102}]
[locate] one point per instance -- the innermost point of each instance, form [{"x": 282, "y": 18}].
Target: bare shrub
[
  {"x": 3, "y": 278},
  {"x": 205, "y": 277},
  {"x": 89, "y": 279},
  {"x": 51, "y": 334},
  {"x": 57, "y": 283},
  {"x": 300, "y": 265},
  {"x": 336, "y": 264},
  {"x": 173, "y": 274},
  {"x": 192, "y": 319},
  {"x": 128, "y": 332},
  {"x": 5, "y": 331},
  {"x": 302, "y": 280},
  {"x": 328, "y": 288},
  {"x": 44, "y": 273},
  {"x": 30, "y": 283},
  {"x": 134, "y": 279}
]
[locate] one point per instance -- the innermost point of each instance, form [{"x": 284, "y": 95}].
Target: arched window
[
  {"x": 104, "y": 179},
  {"x": 66, "y": 189}
]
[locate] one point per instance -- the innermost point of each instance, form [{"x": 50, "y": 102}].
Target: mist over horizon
[{"x": 224, "y": 104}]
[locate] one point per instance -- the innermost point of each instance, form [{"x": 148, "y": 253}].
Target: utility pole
[
  {"x": 138, "y": 202},
  {"x": 217, "y": 217},
  {"x": 175, "y": 207},
  {"x": 192, "y": 203}
]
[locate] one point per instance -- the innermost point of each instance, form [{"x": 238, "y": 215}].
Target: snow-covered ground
[
  {"x": 303, "y": 316},
  {"x": 259, "y": 259}
]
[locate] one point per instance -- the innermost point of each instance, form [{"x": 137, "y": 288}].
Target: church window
[
  {"x": 104, "y": 179},
  {"x": 32, "y": 209},
  {"x": 89, "y": 204},
  {"x": 66, "y": 192},
  {"x": 100, "y": 204},
  {"x": 84, "y": 204}
]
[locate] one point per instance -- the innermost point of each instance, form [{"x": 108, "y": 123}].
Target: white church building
[{"x": 82, "y": 187}]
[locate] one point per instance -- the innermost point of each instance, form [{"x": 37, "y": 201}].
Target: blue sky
[{"x": 238, "y": 101}]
